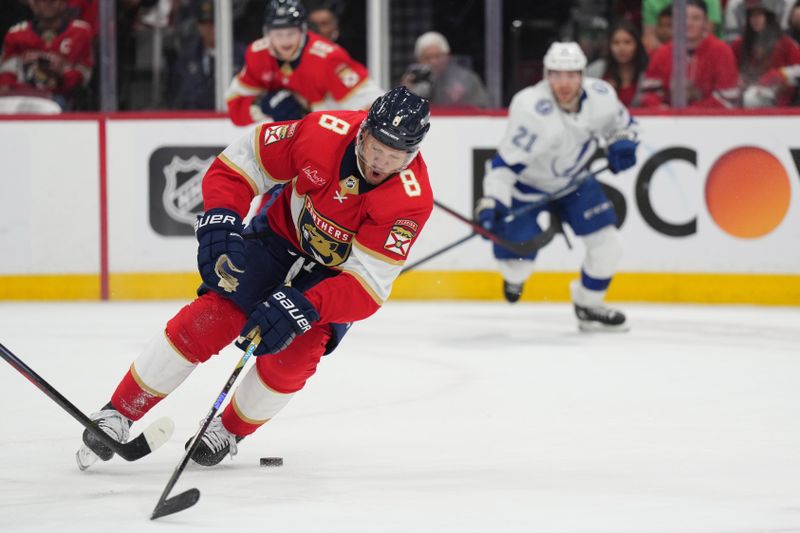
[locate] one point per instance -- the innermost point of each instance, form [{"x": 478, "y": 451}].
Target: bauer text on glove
[
  {"x": 220, "y": 251},
  {"x": 284, "y": 315}
]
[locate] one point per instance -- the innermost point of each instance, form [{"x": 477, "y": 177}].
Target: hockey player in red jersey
[
  {"x": 291, "y": 70},
  {"x": 50, "y": 53},
  {"x": 325, "y": 254}
]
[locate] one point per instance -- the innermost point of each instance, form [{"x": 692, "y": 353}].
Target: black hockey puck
[{"x": 271, "y": 461}]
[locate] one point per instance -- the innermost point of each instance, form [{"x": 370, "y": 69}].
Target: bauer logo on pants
[{"x": 175, "y": 187}]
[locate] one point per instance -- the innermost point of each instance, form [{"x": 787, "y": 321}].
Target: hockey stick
[
  {"x": 186, "y": 499},
  {"x": 440, "y": 251},
  {"x": 518, "y": 248},
  {"x": 523, "y": 247},
  {"x": 150, "y": 439}
]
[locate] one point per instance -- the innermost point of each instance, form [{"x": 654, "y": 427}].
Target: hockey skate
[
  {"x": 600, "y": 318},
  {"x": 215, "y": 444},
  {"x": 111, "y": 421},
  {"x": 512, "y": 291}
]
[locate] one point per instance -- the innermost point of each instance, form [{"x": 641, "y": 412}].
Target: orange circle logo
[{"x": 747, "y": 192}]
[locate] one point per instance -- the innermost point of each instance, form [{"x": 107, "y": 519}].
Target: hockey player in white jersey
[{"x": 554, "y": 129}]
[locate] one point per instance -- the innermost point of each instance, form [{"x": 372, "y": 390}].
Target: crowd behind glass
[{"x": 740, "y": 53}]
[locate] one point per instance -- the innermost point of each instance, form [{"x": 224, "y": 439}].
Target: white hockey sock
[
  {"x": 254, "y": 402},
  {"x": 161, "y": 368},
  {"x": 515, "y": 270}
]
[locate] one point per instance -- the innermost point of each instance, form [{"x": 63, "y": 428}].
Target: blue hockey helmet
[
  {"x": 285, "y": 14},
  {"x": 399, "y": 119}
]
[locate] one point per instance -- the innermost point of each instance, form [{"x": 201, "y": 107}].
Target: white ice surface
[{"x": 434, "y": 417}]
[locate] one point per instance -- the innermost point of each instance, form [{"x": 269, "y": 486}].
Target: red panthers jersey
[
  {"x": 327, "y": 210},
  {"x": 55, "y": 62},
  {"x": 323, "y": 75}
]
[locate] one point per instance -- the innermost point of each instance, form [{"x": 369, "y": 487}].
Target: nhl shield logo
[
  {"x": 183, "y": 193},
  {"x": 176, "y": 195}
]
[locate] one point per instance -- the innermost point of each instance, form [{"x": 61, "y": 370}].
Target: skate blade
[
  {"x": 85, "y": 458},
  {"x": 596, "y": 327}
]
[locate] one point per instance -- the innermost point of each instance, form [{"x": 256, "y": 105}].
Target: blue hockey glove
[
  {"x": 281, "y": 105},
  {"x": 490, "y": 214},
  {"x": 621, "y": 155},
  {"x": 283, "y": 316},
  {"x": 220, "y": 251}
]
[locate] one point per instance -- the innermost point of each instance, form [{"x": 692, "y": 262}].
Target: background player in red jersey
[
  {"x": 291, "y": 70},
  {"x": 49, "y": 55},
  {"x": 325, "y": 255}
]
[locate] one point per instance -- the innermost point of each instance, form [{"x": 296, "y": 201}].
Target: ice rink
[{"x": 434, "y": 417}]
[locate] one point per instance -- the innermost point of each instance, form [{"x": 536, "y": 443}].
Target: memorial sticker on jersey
[
  {"x": 400, "y": 236},
  {"x": 349, "y": 185},
  {"x": 328, "y": 243},
  {"x": 175, "y": 187},
  {"x": 273, "y": 134},
  {"x": 349, "y": 77}
]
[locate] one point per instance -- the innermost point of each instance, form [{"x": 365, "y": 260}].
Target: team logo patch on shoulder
[
  {"x": 400, "y": 236},
  {"x": 600, "y": 87},
  {"x": 348, "y": 76},
  {"x": 544, "y": 106},
  {"x": 273, "y": 134}
]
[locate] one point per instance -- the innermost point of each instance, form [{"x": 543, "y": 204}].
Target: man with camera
[{"x": 437, "y": 77}]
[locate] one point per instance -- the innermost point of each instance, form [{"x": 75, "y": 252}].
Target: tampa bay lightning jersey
[{"x": 545, "y": 146}]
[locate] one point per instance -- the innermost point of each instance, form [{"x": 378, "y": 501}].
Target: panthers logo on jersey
[{"x": 328, "y": 243}]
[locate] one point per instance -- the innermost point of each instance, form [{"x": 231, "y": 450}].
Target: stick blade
[
  {"x": 153, "y": 437},
  {"x": 176, "y": 504}
]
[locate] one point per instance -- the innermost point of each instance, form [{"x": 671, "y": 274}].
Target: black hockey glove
[
  {"x": 490, "y": 214},
  {"x": 281, "y": 105},
  {"x": 283, "y": 316},
  {"x": 220, "y": 251}
]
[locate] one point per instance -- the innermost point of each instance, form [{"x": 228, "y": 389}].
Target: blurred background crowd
[{"x": 739, "y": 53}]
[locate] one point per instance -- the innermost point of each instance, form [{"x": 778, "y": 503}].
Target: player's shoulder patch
[
  {"x": 321, "y": 48},
  {"x": 600, "y": 87},
  {"x": 278, "y": 132},
  {"x": 259, "y": 45},
  {"x": 544, "y": 106},
  {"x": 401, "y": 235},
  {"x": 350, "y": 78}
]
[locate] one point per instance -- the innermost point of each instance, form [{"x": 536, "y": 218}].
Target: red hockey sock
[{"x": 132, "y": 400}]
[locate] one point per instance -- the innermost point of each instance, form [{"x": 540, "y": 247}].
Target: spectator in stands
[
  {"x": 736, "y": 18},
  {"x": 436, "y": 77},
  {"x": 663, "y": 31},
  {"x": 711, "y": 74},
  {"x": 625, "y": 63},
  {"x": 324, "y": 19},
  {"x": 192, "y": 81},
  {"x": 652, "y": 8},
  {"x": 793, "y": 29},
  {"x": 766, "y": 57},
  {"x": 49, "y": 57}
]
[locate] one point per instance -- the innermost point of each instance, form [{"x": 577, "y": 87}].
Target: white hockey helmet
[{"x": 564, "y": 56}]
